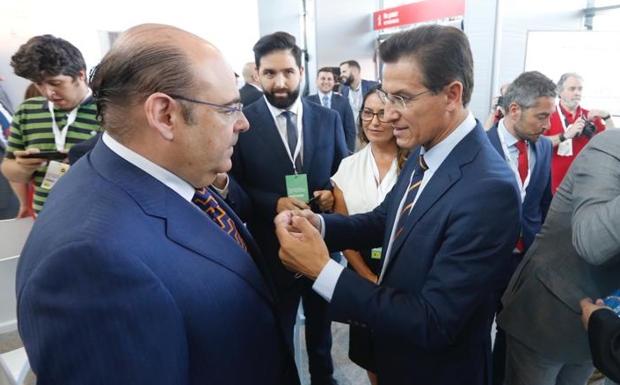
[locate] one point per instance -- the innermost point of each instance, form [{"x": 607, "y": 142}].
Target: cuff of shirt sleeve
[
  {"x": 322, "y": 226},
  {"x": 325, "y": 283}
]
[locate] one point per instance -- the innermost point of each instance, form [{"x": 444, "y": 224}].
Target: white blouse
[{"x": 358, "y": 178}]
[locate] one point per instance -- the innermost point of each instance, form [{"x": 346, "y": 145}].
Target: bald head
[
  {"x": 146, "y": 59},
  {"x": 249, "y": 73}
]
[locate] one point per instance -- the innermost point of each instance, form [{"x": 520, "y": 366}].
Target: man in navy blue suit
[
  {"x": 352, "y": 86},
  {"x": 326, "y": 97},
  {"x": 289, "y": 140},
  {"x": 529, "y": 102},
  {"x": 135, "y": 273},
  {"x": 447, "y": 228}
]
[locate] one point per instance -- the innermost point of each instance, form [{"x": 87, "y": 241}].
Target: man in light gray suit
[{"x": 576, "y": 255}]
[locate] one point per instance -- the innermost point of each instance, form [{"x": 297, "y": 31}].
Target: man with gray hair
[
  {"x": 153, "y": 278},
  {"x": 251, "y": 90},
  {"x": 572, "y": 126},
  {"x": 528, "y": 104}
]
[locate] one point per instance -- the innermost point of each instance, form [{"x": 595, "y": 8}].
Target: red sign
[{"x": 419, "y": 12}]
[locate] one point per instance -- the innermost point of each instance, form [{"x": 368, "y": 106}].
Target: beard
[
  {"x": 347, "y": 80},
  {"x": 285, "y": 102}
]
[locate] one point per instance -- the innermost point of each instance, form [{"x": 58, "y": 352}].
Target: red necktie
[
  {"x": 523, "y": 170},
  {"x": 523, "y": 164},
  {"x": 207, "y": 203}
]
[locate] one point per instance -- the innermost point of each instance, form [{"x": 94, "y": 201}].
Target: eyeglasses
[
  {"x": 369, "y": 115},
  {"x": 400, "y": 102},
  {"x": 230, "y": 111}
]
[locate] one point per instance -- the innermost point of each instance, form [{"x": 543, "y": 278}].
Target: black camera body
[{"x": 589, "y": 128}]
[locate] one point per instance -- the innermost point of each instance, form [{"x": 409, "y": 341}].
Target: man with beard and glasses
[
  {"x": 528, "y": 104},
  {"x": 353, "y": 87},
  {"x": 567, "y": 131},
  {"x": 287, "y": 157}
]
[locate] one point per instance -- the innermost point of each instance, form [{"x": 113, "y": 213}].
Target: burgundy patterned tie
[
  {"x": 207, "y": 203},
  {"x": 412, "y": 191}
]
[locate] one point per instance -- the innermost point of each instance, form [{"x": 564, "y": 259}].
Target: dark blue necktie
[
  {"x": 207, "y": 203},
  {"x": 412, "y": 191},
  {"x": 291, "y": 133}
]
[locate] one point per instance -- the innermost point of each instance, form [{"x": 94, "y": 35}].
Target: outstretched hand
[{"x": 302, "y": 248}]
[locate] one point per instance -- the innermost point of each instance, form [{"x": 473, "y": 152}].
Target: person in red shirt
[{"x": 567, "y": 131}]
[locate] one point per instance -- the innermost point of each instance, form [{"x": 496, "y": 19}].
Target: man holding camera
[{"x": 572, "y": 126}]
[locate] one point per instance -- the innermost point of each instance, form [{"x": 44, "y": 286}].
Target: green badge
[
  {"x": 375, "y": 253},
  {"x": 297, "y": 187}
]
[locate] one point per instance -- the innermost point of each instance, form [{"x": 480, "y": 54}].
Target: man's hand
[
  {"x": 575, "y": 129},
  {"x": 587, "y": 308},
  {"x": 597, "y": 114},
  {"x": 325, "y": 200},
  {"x": 285, "y": 217},
  {"x": 301, "y": 247},
  {"x": 28, "y": 165},
  {"x": 287, "y": 203}
]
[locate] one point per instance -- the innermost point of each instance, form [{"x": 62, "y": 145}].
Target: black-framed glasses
[
  {"x": 230, "y": 110},
  {"x": 369, "y": 115},
  {"x": 398, "y": 101}
]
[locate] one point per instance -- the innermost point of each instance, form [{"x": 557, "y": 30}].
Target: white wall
[
  {"x": 515, "y": 19},
  {"x": 231, "y": 25}
]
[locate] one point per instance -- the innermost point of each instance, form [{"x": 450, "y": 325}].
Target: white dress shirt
[
  {"x": 325, "y": 283},
  {"x": 178, "y": 185},
  {"x": 511, "y": 154},
  {"x": 329, "y": 99},
  {"x": 276, "y": 113}
]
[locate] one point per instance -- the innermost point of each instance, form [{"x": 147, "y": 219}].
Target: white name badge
[{"x": 55, "y": 170}]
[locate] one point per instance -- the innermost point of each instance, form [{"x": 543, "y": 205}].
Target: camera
[{"x": 589, "y": 128}]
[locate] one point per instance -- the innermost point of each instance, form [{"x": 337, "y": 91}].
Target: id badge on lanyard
[{"x": 60, "y": 135}]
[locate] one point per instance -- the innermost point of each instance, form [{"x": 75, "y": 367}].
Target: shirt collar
[
  {"x": 294, "y": 108},
  {"x": 177, "y": 184},
  {"x": 509, "y": 139},
  {"x": 436, "y": 155},
  {"x": 321, "y": 95}
]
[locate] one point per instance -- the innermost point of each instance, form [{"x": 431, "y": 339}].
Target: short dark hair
[
  {"x": 442, "y": 53},
  {"x": 277, "y": 41},
  {"x": 351, "y": 63},
  {"x": 127, "y": 76},
  {"x": 326, "y": 69},
  {"x": 47, "y": 55},
  {"x": 527, "y": 88}
]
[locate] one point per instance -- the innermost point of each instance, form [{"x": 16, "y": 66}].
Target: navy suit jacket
[
  {"x": 538, "y": 192},
  {"x": 249, "y": 94},
  {"x": 261, "y": 162},
  {"x": 341, "y": 104},
  {"x": 122, "y": 281},
  {"x": 430, "y": 317},
  {"x": 366, "y": 85}
]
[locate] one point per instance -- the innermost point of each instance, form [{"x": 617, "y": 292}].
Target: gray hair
[
  {"x": 527, "y": 88},
  {"x": 565, "y": 77}
]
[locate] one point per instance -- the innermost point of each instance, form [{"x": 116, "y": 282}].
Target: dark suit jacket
[
  {"x": 604, "y": 336},
  {"x": 430, "y": 317},
  {"x": 366, "y": 85},
  {"x": 538, "y": 192},
  {"x": 122, "y": 281},
  {"x": 9, "y": 204},
  {"x": 249, "y": 94},
  {"x": 341, "y": 104},
  {"x": 80, "y": 149},
  {"x": 260, "y": 163}
]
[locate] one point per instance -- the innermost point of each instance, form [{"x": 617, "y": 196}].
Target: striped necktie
[
  {"x": 207, "y": 203},
  {"x": 326, "y": 101},
  {"x": 291, "y": 134},
  {"x": 412, "y": 191}
]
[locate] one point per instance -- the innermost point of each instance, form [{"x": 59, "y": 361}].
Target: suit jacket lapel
[
  {"x": 269, "y": 132},
  {"x": 443, "y": 179},
  {"x": 534, "y": 178},
  {"x": 185, "y": 224},
  {"x": 310, "y": 122}
]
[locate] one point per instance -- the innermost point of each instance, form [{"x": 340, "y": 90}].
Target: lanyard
[
  {"x": 60, "y": 136},
  {"x": 563, "y": 118},
  {"x": 515, "y": 168}
]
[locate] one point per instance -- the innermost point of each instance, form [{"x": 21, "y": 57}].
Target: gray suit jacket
[{"x": 576, "y": 255}]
